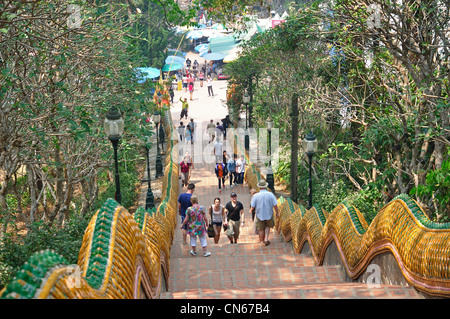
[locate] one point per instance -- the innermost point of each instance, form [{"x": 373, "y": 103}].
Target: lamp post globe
[
  {"x": 310, "y": 145},
  {"x": 246, "y": 98},
  {"x": 114, "y": 127},
  {"x": 156, "y": 117},
  {"x": 114, "y": 124},
  {"x": 269, "y": 124}
]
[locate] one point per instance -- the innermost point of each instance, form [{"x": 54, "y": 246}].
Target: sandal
[{"x": 267, "y": 243}]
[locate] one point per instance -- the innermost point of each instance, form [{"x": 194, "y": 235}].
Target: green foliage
[
  {"x": 16, "y": 249},
  {"x": 328, "y": 194},
  {"x": 438, "y": 187}
]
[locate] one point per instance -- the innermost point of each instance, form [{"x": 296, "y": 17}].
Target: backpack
[{"x": 220, "y": 170}]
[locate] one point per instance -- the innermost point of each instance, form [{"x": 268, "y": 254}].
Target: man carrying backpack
[{"x": 220, "y": 173}]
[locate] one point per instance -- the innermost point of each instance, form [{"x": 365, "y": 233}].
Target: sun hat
[{"x": 263, "y": 184}]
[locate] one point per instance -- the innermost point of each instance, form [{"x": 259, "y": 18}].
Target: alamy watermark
[
  {"x": 374, "y": 278},
  {"x": 74, "y": 278},
  {"x": 374, "y": 19},
  {"x": 74, "y": 18}
]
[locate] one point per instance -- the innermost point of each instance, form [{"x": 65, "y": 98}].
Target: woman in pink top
[{"x": 197, "y": 223}]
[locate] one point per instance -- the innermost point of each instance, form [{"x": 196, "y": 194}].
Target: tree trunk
[{"x": 294, "y": 147}]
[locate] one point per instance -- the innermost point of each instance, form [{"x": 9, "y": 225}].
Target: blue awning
[{"x": 222, "y": 44}]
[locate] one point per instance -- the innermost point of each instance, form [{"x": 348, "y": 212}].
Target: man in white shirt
[
  {"x": 209, "y": 85},
  {"x": 181, "y": 131},
  {"x": 264, "y": 203},
  {"x": 240, "y": 169},
  {"x": 218, "y": 147}
]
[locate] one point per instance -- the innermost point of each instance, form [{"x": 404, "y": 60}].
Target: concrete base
[{"x": 382, "y": 270}]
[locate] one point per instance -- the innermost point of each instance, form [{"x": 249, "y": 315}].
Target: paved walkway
[{"x": 248, "y": 269}]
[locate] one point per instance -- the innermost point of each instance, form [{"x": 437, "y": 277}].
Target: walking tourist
[
  {"x": 185, "y": 82},
  {"x": 235, "y": 218},
  {"x": 181, "y": 129},
  {"x": 209, "y": 85},
  {"x": 218, "y": 218},
  {"x": 240, "y": 169},
  {"x": 264, "y": 203},
  {"x": 171, "y": 93},
  {"x": 219, "y": 131},
  {"x": 211, "y": 130},
  {"x": 184, "y": 201},
  {"x": 201, "y": 75},
  {"x": 191, "y": 88},
  {"x": 231, "y": 168},
  {"x": 185, "y": 169},
  {"x": 188, "y": 134},
  {"x": 218, "y": 147},
  {"x": 197, "y": 224},
  {"x": 220, "y": 173},
  {"x": 193, "y": 130},
  {"x": 184, "y": 108}
]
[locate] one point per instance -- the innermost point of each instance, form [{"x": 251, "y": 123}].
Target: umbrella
[
  {"x": 214, "y": 56},
  {"x": 174, "y": 59},
  {"x": 218, "y": 26},
  {"x": 173, "y": 67},
  {"x": 194, "y": 34},
  {"x": 232, "y": 55},
  {"x": 201, "y": 47},
  {"x": 176, "y": 53},
  {"x": 203, "y": 52},
  {"x": 201, "y": 26},
  {"x": 147, "y": 73}
]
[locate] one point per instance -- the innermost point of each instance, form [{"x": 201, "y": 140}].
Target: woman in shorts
[
  {"x": 197, "y": 224},
  {"x": 218, "y": 218},
  {"x": 185, "y": 167}
]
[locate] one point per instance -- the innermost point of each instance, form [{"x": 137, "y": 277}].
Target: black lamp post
[
  {"x": 310, "y": 147},
  {"x": 269, "y": 176},
  {"x": 162, "y": 135},
  {"x": 158, "y": 165},
  {"x": 114, "y": 126},
  {"x": 150, "y": 199},
  {"x": 246, "y": 100}
]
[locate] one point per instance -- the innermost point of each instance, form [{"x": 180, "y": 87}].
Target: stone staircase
[{"x": 249, "y": 270}]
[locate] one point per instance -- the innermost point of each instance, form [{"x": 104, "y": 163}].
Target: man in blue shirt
[
  {"x": 263, "y": 203},
  {"x": 231, "y": 168},
  {"x": 184, "y": 201}
]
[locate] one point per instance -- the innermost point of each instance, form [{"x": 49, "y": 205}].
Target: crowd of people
[
  {"x": 188, "y": 77},
  {"x": 223, "y": 217},
  {"x": 195, "y": 218}
]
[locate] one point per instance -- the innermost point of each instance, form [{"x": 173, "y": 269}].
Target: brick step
[
  {"x": 334, "y": 290},
  {"x": 224, "y": 248},
  {"x": 238, "y": 261},
  {"x": 252, "y": 276}
]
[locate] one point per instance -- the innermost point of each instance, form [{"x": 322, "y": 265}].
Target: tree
[
  {"x": 283, "y": 80},
  {"x": 58, "y": 81}
]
